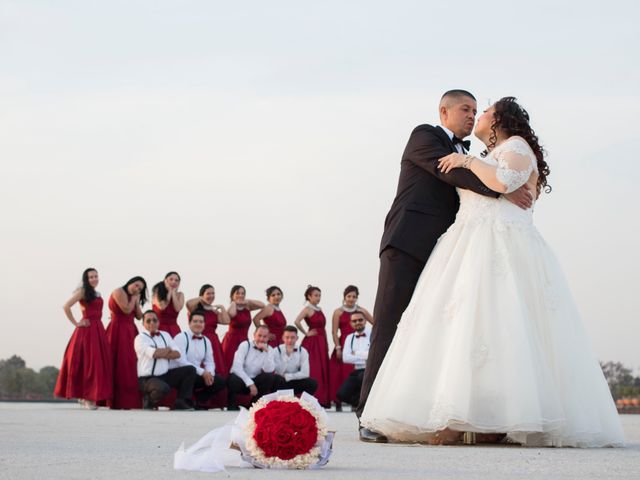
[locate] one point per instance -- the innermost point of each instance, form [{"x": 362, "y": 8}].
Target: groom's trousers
[{"x": 399, "y": 273}]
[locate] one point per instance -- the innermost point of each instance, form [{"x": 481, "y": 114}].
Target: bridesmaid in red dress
[
  {"x": 214, "y": 315},
  {"x": 340, "y": 328},
  {"x": 125, "y": 304},
  {"x": 167, "y": 303},
  {"x": 272, "y": 316},
  {"x": 240, "y": 321},
  {"x": 315, "y": 341},
  {"x": 86, "y": 367}
]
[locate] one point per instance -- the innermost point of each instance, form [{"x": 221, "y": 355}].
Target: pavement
[{"x": 64, "y": 441}]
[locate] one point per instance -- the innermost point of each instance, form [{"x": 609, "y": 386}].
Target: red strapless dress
[
  {"x": 86, "y": 367},
  {"x": 276, "y": 324},
  {"x": 168, "y": 319},
  {"x": 238, "y": 332},
  {"x": 121, "y": 333},
  {"x": 339, "y": 371},
  {"x": 318, "y": 349}
]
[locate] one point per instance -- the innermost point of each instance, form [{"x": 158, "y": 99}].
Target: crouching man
[
  {"x": 252, "y": 372},
  {"x": 292, "y": 364},
  {"x": 196, "y": 350},
  {"x": 155, "y": 349}
]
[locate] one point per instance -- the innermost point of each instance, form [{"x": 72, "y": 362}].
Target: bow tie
[
  {"x": 465, "y": 143},
  {"x": 155, "y": 334},
  {"x": 197, "y": 337},
  {"x": 358, "y": 335}
]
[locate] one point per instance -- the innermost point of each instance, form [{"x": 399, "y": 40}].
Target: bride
[{"x": 491, "y": 341}]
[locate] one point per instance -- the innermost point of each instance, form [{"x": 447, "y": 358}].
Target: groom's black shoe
[{"x": 370, "y": 436}]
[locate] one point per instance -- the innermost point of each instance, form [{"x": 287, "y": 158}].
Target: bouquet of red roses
[
  {"x": 278, "y": 431},
  {"x": 287, "y": 432}
]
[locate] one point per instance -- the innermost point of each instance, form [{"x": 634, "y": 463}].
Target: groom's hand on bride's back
[{"x": 522, "y": 197}]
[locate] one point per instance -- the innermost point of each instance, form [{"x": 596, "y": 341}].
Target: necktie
[{"x": 466, "y": 144}]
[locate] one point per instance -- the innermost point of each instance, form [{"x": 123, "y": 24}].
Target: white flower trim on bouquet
[{"x": 309, "y": 403}]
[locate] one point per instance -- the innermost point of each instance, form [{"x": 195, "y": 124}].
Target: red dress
[
  {"x": 318, "y": 349},
  {"x": 168, "y": 319},
  {"x": 121, "y": 333},
  {"x": 338, "y": 370},
  {"x": 238, "y": 332},
  {"x": 86, "y": 367},
  {"x": 276, "y": 324}
]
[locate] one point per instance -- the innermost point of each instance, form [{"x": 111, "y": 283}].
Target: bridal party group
[{"x": 126, "y": 366}]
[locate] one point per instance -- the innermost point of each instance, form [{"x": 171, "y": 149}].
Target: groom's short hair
[{"x": 453, "y": 95}]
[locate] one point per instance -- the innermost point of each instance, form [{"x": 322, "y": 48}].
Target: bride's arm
[{"x": 513, "y": 169}]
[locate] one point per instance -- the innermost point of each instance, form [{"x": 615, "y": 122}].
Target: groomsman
[
  {"x": 292, "y": 364},
  {"x": 356, "y": 352},
  {"x": 155, "y": 349},
  {"x": 252, "y": 372},
  {"x": 196, "y": 350}
]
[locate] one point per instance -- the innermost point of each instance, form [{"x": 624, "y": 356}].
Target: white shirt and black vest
[
  {"x": 294, "y": 366},
  {"x": 356, "y": 349},
  {"x": 249, "y": 362},
  {"x": 145, "y": 345},
  {"x": 195, "y": 350}
]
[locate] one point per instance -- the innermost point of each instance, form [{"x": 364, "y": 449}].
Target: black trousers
[
  {"x": 349, "y": 391},
  {"x": 399, "y": 273},
  {"x": 181, "y": 378},
  {"x": 203, "y": 392},
  {"x": 264, "y": 383},
  {"x": 308, "y": 385}
]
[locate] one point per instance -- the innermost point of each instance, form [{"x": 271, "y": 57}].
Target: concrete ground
[{"x": 63, "y": 441}]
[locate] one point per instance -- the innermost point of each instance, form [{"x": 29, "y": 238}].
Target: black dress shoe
[
  {"x": 370, "y": 436},
  {"x": 233, "y": 408},
  {"x": 181, "y": 404}
]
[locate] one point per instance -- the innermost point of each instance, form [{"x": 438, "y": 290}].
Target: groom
[{"x": 425, "y": 206}]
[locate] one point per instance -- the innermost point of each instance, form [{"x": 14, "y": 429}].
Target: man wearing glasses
[
  {"x": 154, "y": 349},
  {"x": 356, "y": 352}
]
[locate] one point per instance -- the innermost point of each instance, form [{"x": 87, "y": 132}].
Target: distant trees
[
  {"x": 621, "y": 381},
  {"x": 18, "y": 382}
]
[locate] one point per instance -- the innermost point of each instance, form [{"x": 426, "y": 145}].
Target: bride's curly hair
[{"x": 512, "y": 119}]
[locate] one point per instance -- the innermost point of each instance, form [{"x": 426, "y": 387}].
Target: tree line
[{"x": 19, "y": 382}]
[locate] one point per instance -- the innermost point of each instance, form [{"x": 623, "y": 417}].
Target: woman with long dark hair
[
  {"x": 271, "y": 316},
  {"x": 492, "y": 342},
  {"x": 239, "y": 322},
  {"x": 167, "y": 302},
  {"x": 214, "y": 315},
  {"x": 315, "y": 341},
  {"x": 125, "y": 305},
  {"x": 340, "y": 328},
  {"x": 86, "y": 367}
]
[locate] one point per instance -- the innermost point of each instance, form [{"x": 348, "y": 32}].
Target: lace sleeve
[{"x": 515, "y": 164}]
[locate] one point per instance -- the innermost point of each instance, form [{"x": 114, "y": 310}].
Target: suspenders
[
  {"x": 204, "y": 340},
  {"x": 153, "y": 369}
]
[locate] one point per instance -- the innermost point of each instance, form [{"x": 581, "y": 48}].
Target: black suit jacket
[{"x": 426, "y": 201}]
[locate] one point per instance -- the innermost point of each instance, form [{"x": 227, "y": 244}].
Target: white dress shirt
[
  {"x": 249, "y": 362},
  {"x": 356, "y": 349},
  {"x": 294, "y": 366},
  {"x": 193, "y": 351},
  {"x": 458, "y": 146},
  {"x": 145, "y": 346}
]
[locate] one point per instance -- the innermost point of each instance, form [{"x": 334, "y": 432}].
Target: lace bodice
[{"x": 515, "y": 162}]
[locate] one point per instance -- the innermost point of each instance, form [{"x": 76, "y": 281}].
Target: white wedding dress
[{"x": 491, "y": 340}]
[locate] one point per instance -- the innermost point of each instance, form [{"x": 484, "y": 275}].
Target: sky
[{"x": 258, "y": 143}]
